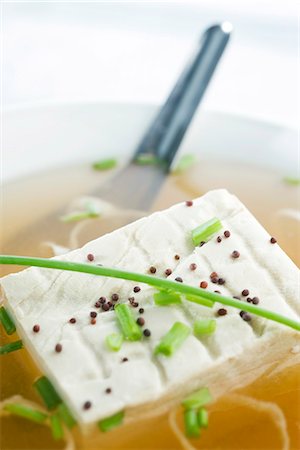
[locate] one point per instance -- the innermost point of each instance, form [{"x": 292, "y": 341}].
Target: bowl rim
[{"x": 63, "y": 104}]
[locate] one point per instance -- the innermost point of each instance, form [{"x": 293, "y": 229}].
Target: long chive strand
[{"x": 152, "y": 281}]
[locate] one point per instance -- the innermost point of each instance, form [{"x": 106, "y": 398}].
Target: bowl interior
[{"x": 43, "y": 137}]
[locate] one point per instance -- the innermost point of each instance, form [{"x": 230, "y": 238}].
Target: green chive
[
  {"x": 114, "y": 341},
  {"x": 76, "y": 216},
  {"x": 192, "y": 429},
  {"x": 11, "y": 347},
  {"x": 197, "y": 399},
  {"x": 173, "y": 339},
  {"x": 185, "y": 163},
  {"x": 91, "y": 212},
  {"x": 204, "y": 326},
  {"x": 7, "y": 321},
  {"x": 293, "y": 181},
  {"x": 206, "y": 231},
  {"x": 66, "y": 416},
  {"x": 158, "y": 283},
  {"x": 166, "y": 298},
  {"x": 56, "y": 427},
  {"x": 203, "y": 418},
  {"x": 146, "y": 159},
  {"x": 130, "y": 328},
  {"x": 111, "y": 422},
  {"x": 200, "y": 300},
  {"x": 47, "y": 392},
  {"x": 17, "y": 409},
  {"x": 105, "y": 164}
]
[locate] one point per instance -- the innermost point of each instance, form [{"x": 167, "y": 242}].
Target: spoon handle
[{"x": 168, "y": 128}]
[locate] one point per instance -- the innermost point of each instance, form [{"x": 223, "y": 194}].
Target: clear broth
[{"x": 232, "y": 426}]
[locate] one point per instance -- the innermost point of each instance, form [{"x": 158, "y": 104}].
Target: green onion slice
[
  {"x": 146, "y": 159},
  {"x": 203, "y": 418},
  {"x": 114, "y": 341},
  {"x": 191, "y": 425},
  {"x": 111, "y": 422},
  {"x": 56, "y": 427},
  {"x": 205, "y": 326},
  {"x": 200, "y": 300},
  {"x": 76, "y": 216},
  {"x": 91, "y": 211},
  {"x": 197, "y": 399},
  {"x": 185, "y": 163},
  {"x": 7, "y": 321},
  {"x": 105, "y": 164},
  {"x": 131, "y": 330},
  {"x": 293, "y": 181},
  {"x": 66, "y": 416},
  {"x": 47, "y": 392},
  {"x": 166, "y": 298},
  {"x": 206, "y": 231},
  {"x": 25, "y": 411},
  {"x": 174, "y": 338},
  {"x": 11, "y": 347}
]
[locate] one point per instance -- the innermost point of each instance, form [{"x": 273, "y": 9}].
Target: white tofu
[{"x": 147, "y": 384}]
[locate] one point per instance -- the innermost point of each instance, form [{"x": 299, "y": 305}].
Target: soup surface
[{"x": 264, "y": 415}]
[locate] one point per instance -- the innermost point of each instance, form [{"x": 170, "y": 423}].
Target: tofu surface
[{"x": 85, "y": 367}]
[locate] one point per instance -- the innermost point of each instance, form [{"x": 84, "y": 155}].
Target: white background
[{"x": 133, "y": 52}]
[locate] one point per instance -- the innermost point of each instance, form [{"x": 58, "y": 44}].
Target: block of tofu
[{"x": 140, "y": 382}]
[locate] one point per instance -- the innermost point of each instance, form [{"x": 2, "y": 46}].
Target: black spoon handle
[{"x": 167, "y": 130}]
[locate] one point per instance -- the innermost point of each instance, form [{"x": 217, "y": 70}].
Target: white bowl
[{"x": 48, "y": 136}]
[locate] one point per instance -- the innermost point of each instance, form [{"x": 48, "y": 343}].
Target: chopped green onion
[
  {"x": 174, "y": 338},
  {"x": 130, "y": 328},
  {"x": 204, "y": 326},
  {"x": 146, "y": 159},
  {"x": 56, "y": 427},
  {"x": 200, "y": 300},
  {"x": 105, "y": 164},
  {"x": 184, "y": 163},
  {"x": 203, "y": 418},
  {"x": 11, "y": 347},
  {"x": 66, "y": 416},
  {"x": 76, "y": 216},
  {"x": 47, "y": 392},
  {"x": 7, "y": 321},
  {"x": 166, "y": 298},
  {"x": 293, "y": 181},
  {"x": 197, "y": 399},
  {"x": 114, "y": 341},
  {"x": 91, "y": 211},
  {"x": 191, "y": 425},
  {"x": 206, "y": 231},
  {"x": 17, "y": 409},
  {"x": 157, "y": 282},
  {"x": 111, "y": 422}
]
